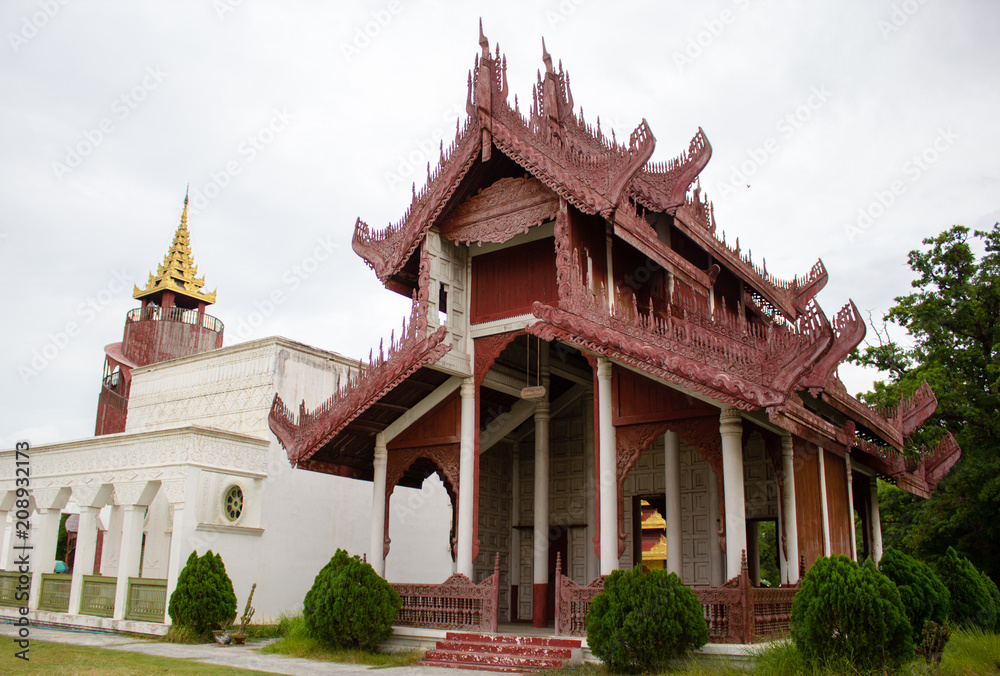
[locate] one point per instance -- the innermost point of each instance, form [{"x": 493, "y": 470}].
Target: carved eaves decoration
[{"x": 501, "y": 211}]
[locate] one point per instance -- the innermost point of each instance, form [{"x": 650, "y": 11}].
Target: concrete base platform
[{"x": 45, "y": 618}]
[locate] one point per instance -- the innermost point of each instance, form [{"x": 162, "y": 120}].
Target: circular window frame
[{"x": 235, "y": 489}]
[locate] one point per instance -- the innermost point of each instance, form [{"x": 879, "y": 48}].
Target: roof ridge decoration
[
  {"x": 178, "y": 272},
  {"x": 305, "y": 433},
  {"x": 574, "y": 159}
]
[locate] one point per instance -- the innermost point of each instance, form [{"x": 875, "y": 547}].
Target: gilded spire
[{"x": 177, "y": 272}]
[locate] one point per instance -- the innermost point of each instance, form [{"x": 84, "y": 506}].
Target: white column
[
  {"x": 609, "y": 470},
  {"x": 716, "y": 560},
  {"x": 377, "y": 542},
  {"x": 176, "y": 558},
  {"x": 590, "y": 486},
  {"x": 791, "y": 524},
  {"x": 876, "y": 523},
  {"x": 128, "y": 554},
  {"x": 731, "y": 429},
  {"x": 44, "y": 536},
  {"x": 825, "y": 511},
  {"x": 83, "y": 560},
  {"x": 850, "y": 506},
  {"x": 467, "y": 478},
  {"x": 672, "y": 461},
  {"x": 541, "y": 516}
]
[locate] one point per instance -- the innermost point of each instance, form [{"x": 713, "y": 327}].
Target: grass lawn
[
  {"x": 69, "y": 660},
  {"x": 296, "y": 643}
]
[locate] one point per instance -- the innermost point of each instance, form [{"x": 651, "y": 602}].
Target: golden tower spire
[{"x": 177, "y": 272}]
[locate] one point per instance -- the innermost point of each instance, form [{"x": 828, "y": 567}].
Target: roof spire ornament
[
  {"x": 178, "y": 272},
  {"x": 546, "y": 58}
]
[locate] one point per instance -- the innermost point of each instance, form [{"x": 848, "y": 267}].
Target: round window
[{"x": 233, "y": 503}]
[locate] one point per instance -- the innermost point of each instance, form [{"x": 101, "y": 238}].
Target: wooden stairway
[{"x": 501, "y": 652}]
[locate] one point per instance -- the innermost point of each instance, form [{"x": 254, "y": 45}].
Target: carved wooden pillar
[
  {"x": 672, "y": 460},
  {"x": 791, "y": 528},
  {"x": 850, "y": 506},
  {"x": 731, "y": 429},
  {"x": 825, "y": 511},
  {"x": 467, "y": 477},
  {"x": 608, "y": 470},
  {"x": 541, "y": 516},
  {"x": 876, "y": 523},
  {"x": 376, "y": 547}
]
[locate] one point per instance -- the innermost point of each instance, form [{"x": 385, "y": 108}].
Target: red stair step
[
  {"x": 547, "y": 641},
  {"x": 506, "y": 649},
  {"x": 492, "y": 659}
]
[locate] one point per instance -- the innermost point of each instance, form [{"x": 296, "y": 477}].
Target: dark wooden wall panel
[
  {"x": 506, "y": 283},
  {"x": 808, "y": 503},
  {"x": 841, "y": 519},
  {"x": 441, "y": 425},
  {"x": 638, "y": 399}
]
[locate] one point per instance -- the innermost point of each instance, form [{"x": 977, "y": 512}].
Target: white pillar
[
  {"x": 608, "y": 469},
  {"x": 716, "y": 561},
  {"x": 128, "y": 554},
  {"x": 731, "y": 429},
  {"x": 377, "y": 542},
  {"x": 541, "y": 516},
  {"x": 825, "y": 511},
  {"x": 467, "y": 478},
  {"x": 876, "y": 523},
  {"x": 176, "y": 559},
  {"x": 44, "y": 536},
  {"x": 672, "y": 461},
  {"x": 850, "y": 506},
  {"x": 791, "y": 524},
  {"x": 83, "y": 561}
]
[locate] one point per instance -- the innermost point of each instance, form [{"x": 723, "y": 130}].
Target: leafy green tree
[
  {"x": 973, "y": 598},
  {"x": 204, "y": 598},
  {"x": 924, "y": 595},
  {"x": 953, "y": 322},
  {"x": 641, "y": 621}
]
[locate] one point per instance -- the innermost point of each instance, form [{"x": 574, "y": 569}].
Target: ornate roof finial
[
  {"x": 546, "y": 58},
  {"x": 177, "y": 272},
  {"x": 483, "y": 42}
]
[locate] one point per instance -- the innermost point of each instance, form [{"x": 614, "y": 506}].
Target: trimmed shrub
[
  {"x": 973, "y": 602},
  {"x": 846, "y": 612},
  {"x": 349, "y": 605},
  {"x": 642, "y": 621},
  {"x": 923, "y": 594},
  {"x": 204, "y": 598}
]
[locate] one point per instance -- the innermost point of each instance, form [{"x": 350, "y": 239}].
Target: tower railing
[{"x": 174, "y": 314}]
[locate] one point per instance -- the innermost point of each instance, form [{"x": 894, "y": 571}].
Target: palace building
[{"x": 583, "y": 341}]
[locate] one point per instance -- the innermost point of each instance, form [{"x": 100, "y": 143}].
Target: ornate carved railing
[
  {"x": 146, "y": 600},
  {"x": 573, "y": 602},
  {"x": 98, "y": 597},
  {"x": 174, "y": 314},
  {"x": 457, "y": 603},
  {"x": 10, "y": 581},
  {"x": 54, "y": 593},
  {"x": 736, "y": 612}
]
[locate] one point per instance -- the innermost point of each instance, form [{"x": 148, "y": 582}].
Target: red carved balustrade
[{"x": 456, "y": 604}]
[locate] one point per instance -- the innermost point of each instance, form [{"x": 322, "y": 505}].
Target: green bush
[
  {"x": 642, "y": 621},
  {"x": 923, "y": 594},
  {"x": 204, "y": 598},
  {"x": 849, "y": 612},
  {"x": 349, "y": 605},
  {"x": 974, "y": 601}
]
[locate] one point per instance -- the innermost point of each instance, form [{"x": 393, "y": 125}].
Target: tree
[
  {"x": 204, "y": 598},
  {"x": 953, "y": 321}
]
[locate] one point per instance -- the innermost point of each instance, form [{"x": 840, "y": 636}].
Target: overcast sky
[{"x": 846, "y": 131}]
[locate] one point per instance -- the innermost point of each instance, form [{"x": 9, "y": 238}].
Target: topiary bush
[
  {"x": 923, "y": 594},
  {"x": 349, "y": 605},
  {"x": 204, "y": 598},
  {"x": 972, "y": 593},
  {"x": 641, "y": 621},
  {"x": 850, "y": 613}
]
